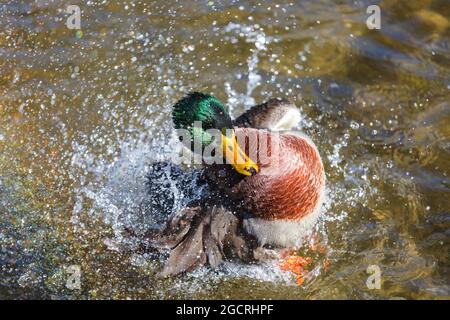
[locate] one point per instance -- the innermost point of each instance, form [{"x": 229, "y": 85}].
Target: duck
[{"x": 265, "y": 194}]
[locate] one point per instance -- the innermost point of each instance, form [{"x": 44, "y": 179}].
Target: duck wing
[
  {"x": 214, "y": 235},
  {"x": 204, "y": 231},
  {"x": 275, "y": 115}
]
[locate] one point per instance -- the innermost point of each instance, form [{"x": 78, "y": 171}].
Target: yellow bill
[{"x": 235, "y": 156}]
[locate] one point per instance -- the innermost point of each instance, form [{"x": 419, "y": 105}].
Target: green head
[{"x": 201, "y": 108}]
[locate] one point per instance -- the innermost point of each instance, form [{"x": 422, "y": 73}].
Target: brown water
[{"x": 82, "y": 116}]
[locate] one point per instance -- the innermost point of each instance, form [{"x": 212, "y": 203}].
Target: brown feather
[
  {"x": 290, "y": 181},
  {"x": 213, "y": 235}
]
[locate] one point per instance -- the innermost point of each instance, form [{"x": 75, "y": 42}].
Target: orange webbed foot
[{"x": 296, "y": 265}]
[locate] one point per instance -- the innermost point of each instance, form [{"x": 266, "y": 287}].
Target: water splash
[{"x": 253, "y": 34}]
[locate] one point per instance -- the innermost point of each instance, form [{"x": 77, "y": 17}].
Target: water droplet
[{"x": 354, "y": 125}]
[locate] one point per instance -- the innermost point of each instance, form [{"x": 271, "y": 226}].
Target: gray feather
[{"x": 266, "y": 115}]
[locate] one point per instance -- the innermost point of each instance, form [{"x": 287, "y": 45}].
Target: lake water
[{"x": 83, "y": 114}]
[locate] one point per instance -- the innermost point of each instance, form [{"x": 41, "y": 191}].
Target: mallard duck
[{"x": 250, "y": 204}]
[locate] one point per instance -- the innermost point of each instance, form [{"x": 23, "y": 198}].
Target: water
[{"x": 84, "y": 115}]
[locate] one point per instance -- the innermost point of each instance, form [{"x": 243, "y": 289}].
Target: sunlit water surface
[{"x": 84, "y": 114}]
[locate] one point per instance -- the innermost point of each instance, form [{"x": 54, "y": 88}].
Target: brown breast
[{"x": 290, "y": 181}]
